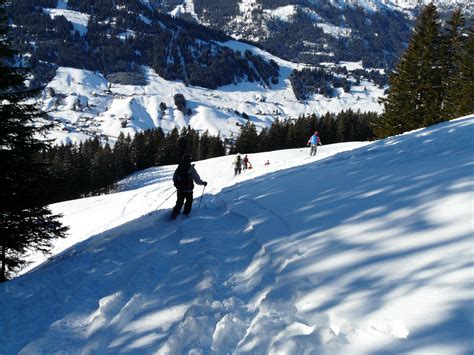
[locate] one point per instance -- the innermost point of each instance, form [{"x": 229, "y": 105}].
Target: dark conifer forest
[
  {"x": 345, "y": 126},
  {"x": 91, "y": 168},
  {"x": 122, "y": 37},
  {"x": 434, "y": 80}
]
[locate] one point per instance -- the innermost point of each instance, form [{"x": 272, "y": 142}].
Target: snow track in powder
[{"x": 220, "y": 314}]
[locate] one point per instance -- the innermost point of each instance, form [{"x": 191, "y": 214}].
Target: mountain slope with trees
[
  {"x": 121, "y": 36},
  {"x": 373, "y": 32}
]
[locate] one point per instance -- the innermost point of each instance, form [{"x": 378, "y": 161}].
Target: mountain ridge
[{"x": 310, "y": 31}]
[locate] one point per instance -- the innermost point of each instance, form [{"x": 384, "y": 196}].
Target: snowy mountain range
[
  {"x": 410, "y": 4},
  {"x": 85, "y": 104},
  {"x": 112, "y": 70},
  {"x": 117, "y": 66},
  {"x": 374, "y": 31},
  {"x": 365, "y": 248}
]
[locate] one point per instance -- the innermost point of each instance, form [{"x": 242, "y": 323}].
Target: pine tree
[
  {"x": 292, "y": 137},
  {"x": 156, "y": 140},
  {"x": 216, "y": 147},
  {"x": 415, "y": 95},
  {"x": 139, "y": 154},
  {"x": 277, "y": 134},
  {"x": 328, "y": 128},
  {"x": 342, "y": 128},
  {"x": 462, "y": 93},
  {"x": 169, "y": 153},
  {"x": 186, "y": 142},
  {"x": 203, "y": 149},
  {"x": 247, "y": 142},
  {"x": 452, "y": 61},
  {"x": 123, "y": 162},
  {"x": 25, "y": 223}
]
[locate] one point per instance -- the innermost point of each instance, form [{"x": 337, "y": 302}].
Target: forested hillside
[
  {"x": 117, "y": 37},
  {"x": 308, "y": 31}
]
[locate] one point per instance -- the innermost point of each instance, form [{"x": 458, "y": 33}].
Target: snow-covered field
[
  {"x": 84, "y": 106},
  {"x": 366, "y": 248},
  {"x": 78, "y": 20}
]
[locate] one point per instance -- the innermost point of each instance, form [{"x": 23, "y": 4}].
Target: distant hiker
[
  {"x": 314, "y": 141},
  {"x": 183, "y": 178},
  {"x": 246, "y": 162},
  {"x": 237, "y": 164},
  {"x": 267, "y": 163}
]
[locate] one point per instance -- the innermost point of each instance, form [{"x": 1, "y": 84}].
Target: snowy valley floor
[{"x": 365, "y": 249}]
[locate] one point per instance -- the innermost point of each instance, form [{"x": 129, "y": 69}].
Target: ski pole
[
  {"x": 166, "y": 199},
  {"x": 201, "y": 197}
]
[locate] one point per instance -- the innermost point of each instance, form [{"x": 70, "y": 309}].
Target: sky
[{"x": 366, "y": 248}]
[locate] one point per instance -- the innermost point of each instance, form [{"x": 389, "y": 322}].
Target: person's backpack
[{"x": 182, "y": 178}]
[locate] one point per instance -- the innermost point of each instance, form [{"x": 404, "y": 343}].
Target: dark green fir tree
[
  {"x": 415, "y": 95},
  {"x": 25, "y": 223},
  {"x": 452, "y": 57},
  {"x": 247, "y": 142},
  {"x": 462, "y": 92},
  {"x": 216, "y": 147}
]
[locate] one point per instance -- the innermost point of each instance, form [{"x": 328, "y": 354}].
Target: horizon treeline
[
  {"x": 91, "y": 168},
  {"x": 345, "y": 126}
]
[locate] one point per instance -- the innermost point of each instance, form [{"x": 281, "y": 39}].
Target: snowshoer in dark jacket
[
  {"x": 237, "y": 164},
  {"x": 184, "y": 177}
]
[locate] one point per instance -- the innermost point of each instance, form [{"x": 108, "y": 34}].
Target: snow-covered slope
[
  {"x": 364, "y": 249},
  {"x": 403, "y": 4},
  {"x": 374, "y": 31},
  {"x": 410, "y": 4},
  {"x": 85, "y": 107},
  {"x": 77, "y": 19}
]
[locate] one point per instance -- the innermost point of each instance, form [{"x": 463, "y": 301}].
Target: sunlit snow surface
[
  {"x": 79, "y": 20},
  {"x": 366, "y": 248}
]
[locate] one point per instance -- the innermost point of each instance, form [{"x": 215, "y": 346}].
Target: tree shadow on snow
[{"x": 384, "y": 195}]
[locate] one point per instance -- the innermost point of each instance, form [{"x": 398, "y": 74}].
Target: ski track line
[
  {"x": 101, "y": 202},
  {"x": 275, "y": 310},
  {"x": 124, "y": 211},
  {"x": 203, "y": 260},
  {"x": 259, "y": 297}
]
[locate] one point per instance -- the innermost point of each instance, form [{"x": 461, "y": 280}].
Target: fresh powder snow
[{"x": 366, "y": 248}]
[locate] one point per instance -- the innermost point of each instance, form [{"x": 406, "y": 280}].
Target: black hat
[{"x": 187, "y": 158}]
